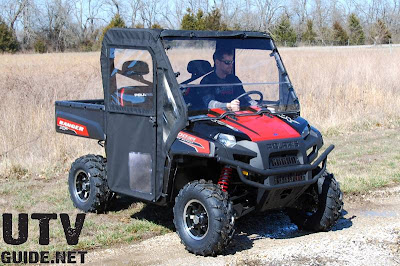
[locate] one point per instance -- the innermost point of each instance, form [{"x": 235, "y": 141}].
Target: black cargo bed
[{"x": 84, "y": 118}]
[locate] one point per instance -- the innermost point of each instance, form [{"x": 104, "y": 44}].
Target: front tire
[
  {"x": 87, "y": 184},
  {"x": 320, "y": 207},
  {"x": 204, "y": 218}
]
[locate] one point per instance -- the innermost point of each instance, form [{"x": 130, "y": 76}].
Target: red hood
[{"x": 259, "y": 127}]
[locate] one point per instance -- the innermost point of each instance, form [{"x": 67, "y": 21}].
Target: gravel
[{"x": 367, "y": 234}]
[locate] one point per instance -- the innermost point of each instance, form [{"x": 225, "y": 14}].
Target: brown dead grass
[
  {"x": 339, "y": 89},
  {"x": 30, "y": 84},
  {"x": 342, "y": 89}
]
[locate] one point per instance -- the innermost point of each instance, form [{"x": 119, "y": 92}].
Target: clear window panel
[{"x": 131, "y": 78}]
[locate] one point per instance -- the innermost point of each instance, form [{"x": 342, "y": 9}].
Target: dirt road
[{"x": 367, "y": 234}]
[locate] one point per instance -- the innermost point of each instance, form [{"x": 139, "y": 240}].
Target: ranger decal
[{"x": 65, "y": 124}]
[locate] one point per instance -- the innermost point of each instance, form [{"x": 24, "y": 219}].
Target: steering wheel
[{"x": 249, "y": 93}]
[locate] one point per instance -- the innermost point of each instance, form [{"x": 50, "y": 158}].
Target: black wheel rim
[
  {"x": 82, "y": 186},
  {"x": 195, "y": 219}
]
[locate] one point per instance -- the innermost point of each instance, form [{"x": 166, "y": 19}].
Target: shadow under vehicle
[{"x": 165, "y": 145}]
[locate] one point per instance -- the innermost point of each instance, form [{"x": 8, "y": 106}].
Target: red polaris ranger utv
[{"x": 206, "y": 120}]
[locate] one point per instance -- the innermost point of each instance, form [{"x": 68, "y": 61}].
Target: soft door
[{"x": 131, "y": 123}]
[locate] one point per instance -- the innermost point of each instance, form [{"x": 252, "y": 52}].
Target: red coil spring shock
[{"x": 223, "y": 181}]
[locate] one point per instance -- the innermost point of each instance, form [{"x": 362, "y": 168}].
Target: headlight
[
  {"x": 226, "y": 140},
  {"x": 305, "y": 132}
]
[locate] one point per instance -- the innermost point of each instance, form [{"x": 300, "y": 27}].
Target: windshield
[{"x": 230, "y": 74}]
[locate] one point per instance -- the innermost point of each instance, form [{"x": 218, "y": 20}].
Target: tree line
[{"x": 59, "y": 25}]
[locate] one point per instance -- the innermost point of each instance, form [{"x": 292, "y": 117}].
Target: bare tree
[
  {"x": 230, "y": 10},
  {"x": 173, "y": 13},
  {"x": 68, "y": 23},
  {"x": 86, "y": 13},
  {"x": 58, "y": 24},
  {"x": 116, "y": 4},
  {"x": 21, "y": 16},
  {"x": 299, "y": 11},
  {"x": 135, "y": 7},
  {"x": 394, "y": 20},
  {"x": 248, "y": 16},
  {"x": 113, "y": 6},
  {"x": 338, "y": 11},
  {"x": 27, "y": 23},
  {"x": 268, "y": 11},
  {"x": 150, "y": 11},
  {"x": 320, "y": 13},
  {"x": 195, "y": 5},
  {"x": 12, "y": 10}
]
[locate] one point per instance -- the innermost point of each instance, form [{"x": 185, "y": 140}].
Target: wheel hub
[
  {"x": 85, "y": 186},
  {"x": 195, "y": 219},
  {"x": 199, "y": 219},
  {"x": 82, "y": 186}
]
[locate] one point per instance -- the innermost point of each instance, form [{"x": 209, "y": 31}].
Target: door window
[{"x": 131, "y": 78}]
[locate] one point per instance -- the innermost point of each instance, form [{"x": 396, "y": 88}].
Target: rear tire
[
  {"x": 204, "y": 218},
  {"x": 87, "y": 183},
  {"x": 320, "y": 207}
]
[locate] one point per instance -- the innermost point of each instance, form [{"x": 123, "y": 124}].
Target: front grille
[
  {"x": 282, "y": 161},
  {"x": 294, "y": 177}
]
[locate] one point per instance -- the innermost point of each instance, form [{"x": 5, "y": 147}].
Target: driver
[{"x": 223, "y": 96}]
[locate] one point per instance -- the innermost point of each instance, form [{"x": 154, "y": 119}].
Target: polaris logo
[
  {"x": 283, "y": 145},
  {"x": 143, "y": 94}
]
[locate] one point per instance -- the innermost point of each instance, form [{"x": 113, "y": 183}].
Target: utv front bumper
[{"x": 268, "y": 176}]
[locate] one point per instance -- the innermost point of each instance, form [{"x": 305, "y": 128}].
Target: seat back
[{"x": 198, "y": 68}]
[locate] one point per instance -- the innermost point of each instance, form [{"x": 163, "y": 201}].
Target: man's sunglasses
[{"x": 227, "y": 62}]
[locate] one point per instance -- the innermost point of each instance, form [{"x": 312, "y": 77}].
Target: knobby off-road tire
[
  {"x": 87, "y": 182},
  {"x": 322, "y": 212},
  {"x": 204, "y": 218}
]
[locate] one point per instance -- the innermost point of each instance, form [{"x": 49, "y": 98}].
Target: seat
[{"x": 198, "y": 68}]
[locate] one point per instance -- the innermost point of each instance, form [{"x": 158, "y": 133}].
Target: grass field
[
  {"x": 351, "y": 95},
  {"x": 346, "y": 89}
]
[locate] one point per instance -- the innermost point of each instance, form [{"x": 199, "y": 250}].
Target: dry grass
[
  {"x": 345, "y": 89},
  {"x": 366, "y": 160},
  {"x": 339, "y": 90},
  {"x": 30, "y": 84}
]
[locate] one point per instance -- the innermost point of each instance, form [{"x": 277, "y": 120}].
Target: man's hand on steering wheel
[{"x": 235, "y": 104}]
